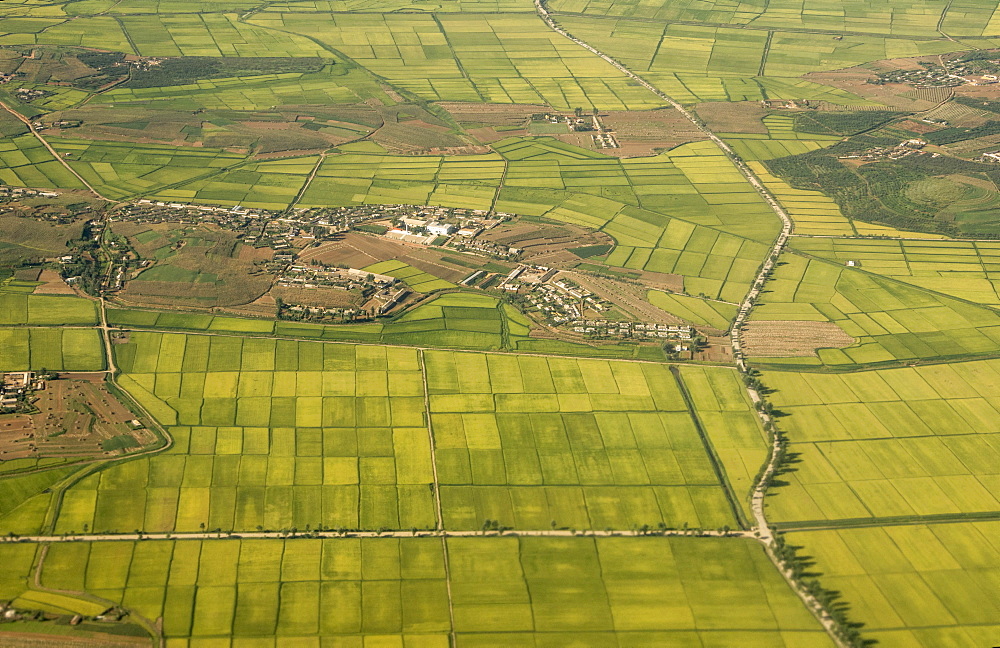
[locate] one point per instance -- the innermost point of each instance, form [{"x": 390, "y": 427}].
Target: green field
[
  {"x": 920, "y": 585},
  {"x": 967, "y": 270},
  {"x": 343, "y": 431},
  {"x": 897, "y": 443},
  {"x": 653, "y": 591},
  {"x": 891, "y": 321},
  {"x": 609, "y": 470}
]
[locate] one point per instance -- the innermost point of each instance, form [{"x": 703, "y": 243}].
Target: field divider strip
[
  {"x": 452, "y": 639},
  {"x": 720, "y": 472},
  {"x": 430, "y": 439},
  {"x": 876, "y": 522}
]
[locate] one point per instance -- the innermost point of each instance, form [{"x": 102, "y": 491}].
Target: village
[
  {"x": 952, "y": 74},
  {"x": 17, "y": 391},
  {"x": 380, "y": 294},
  {"x": 602, "y": 137},
  {"x": 901, "y": 150}
]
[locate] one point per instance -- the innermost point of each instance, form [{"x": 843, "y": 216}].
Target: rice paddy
[
  {"x": 907, "y": 443},
  {"x": 453, "y": 418},
  {"x": 891, "y": 321},
  {"x": 50, "y": 332},
  {"x": 664, "y": 591},
  {"x": 921, "y": 585},
  {"x": 498, "y": 58},
  {"x": 341, "y": 431}
]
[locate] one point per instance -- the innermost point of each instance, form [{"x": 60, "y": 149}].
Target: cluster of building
[
  {"x": 342, "y": 278},
  {"x": 578, "y": 123},
  {"x": 30, "y": 94},
  {"x": 950, "y": 75},
  {"x": 901, "y": 150},
  {"x": 425, "y": 225},
  {"x": 15, "y": 387},
  {"x": 22, "y": 192},
  {"x": 638, "y": 330},
  {"x": 557, "y": 298}
]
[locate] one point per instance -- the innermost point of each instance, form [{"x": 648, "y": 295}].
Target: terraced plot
[{"x": 964, "y": 269}]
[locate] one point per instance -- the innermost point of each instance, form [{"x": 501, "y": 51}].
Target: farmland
[
  {"x": 917, "y": 585},
  {"x": 420, "y": 590},
  {"x": 342, "y": 430},
  {"x": 891, "y": 321},
  {"x": 705, "y": 388},
  {"x": 936, "y": 422},
  {"x": 957, "y": 268},
  {"x": 31, "y": 333}
]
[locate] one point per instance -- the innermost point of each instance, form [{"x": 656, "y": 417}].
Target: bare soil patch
[
  {"x": 735, "y": 117},
  {"x": 53, "y": 284},
  {"x": 75, "y": 417},
  {"x": 546, "y": 244}
]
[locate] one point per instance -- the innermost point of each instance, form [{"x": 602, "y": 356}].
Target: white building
[{"x": 440, "y": 229}]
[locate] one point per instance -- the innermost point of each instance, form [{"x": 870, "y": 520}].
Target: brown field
[
  {"x": 359, "y": 250},
  {"x": 546, "y": 244},
  {"x": 493, "y": 115},
  {"x": 205, "y": 249},
  {"x": 321, "y": 296},
  {"x": 94, "y": 640},
  {"x": 895, "y": 95},
  {"x": 734, "y": 117},
  {"x": 781, "y": 339},
  {"x": 643, "y": 133},
  {"x": 416, "y": 137},
  {"x": 54, "y": 284},
  {"x": 627, "y": 297},
  {"x": 74, "y": 417},
  {"x": 263, "y": 306},
  {"x": 25, "y": 238}
]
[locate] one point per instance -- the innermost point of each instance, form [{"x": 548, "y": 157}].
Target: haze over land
[{"x": 499, "y": 323}]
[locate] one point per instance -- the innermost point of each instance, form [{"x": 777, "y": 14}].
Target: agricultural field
[
  {"x": 24, "y": 162},
  {"x": 48, "y": 331},
  {"x": 122, "y": 170},
  {"x": 342, "y": 432},
  {"x": 895, "y": 18},
  {"x": 489, "y": 58},
  {"x": 962, "y": 269},
  {"x": 17, "y": 308},
  {"x": 56, "y": 349},
  {"x": 194, "y": 267},
  {"x": 713, "y": 314},
  {"x": 922, "y": 585},
  {"x": 668, "y": 591},
  {"x": 458, "y": 473},
  {"x": 891, "y": 321},
  {"x": 693, "y": 63},
  {"x": 23, "y": 239},
  {"x": 905, "y": 444},
  {"x": 418, "y": 280},
  {"x": 584, "y": 444}
]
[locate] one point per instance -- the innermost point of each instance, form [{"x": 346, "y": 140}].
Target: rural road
[
  {"x": 762, "y": 531},
  {"x": 31, "y": 127}
]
